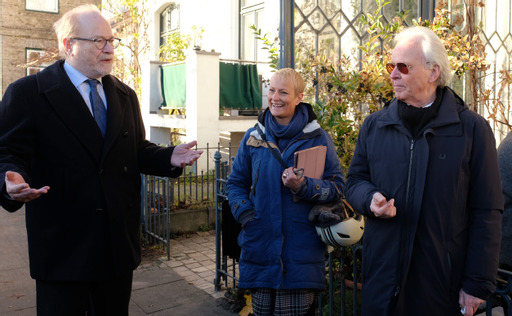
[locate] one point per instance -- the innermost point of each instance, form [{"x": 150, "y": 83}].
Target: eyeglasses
[
  {"x": 403, "y": 68},
  {"x": 101, "y": 42}
]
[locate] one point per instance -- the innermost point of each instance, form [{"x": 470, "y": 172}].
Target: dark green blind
[
  {"x": 174, "y": 86},
  {"x": 239, "y": 86}
]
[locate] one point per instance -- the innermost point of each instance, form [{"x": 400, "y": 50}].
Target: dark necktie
[{"x": 98, "y": 108}]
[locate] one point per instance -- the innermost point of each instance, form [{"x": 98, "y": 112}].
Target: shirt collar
[{"x": 76, "y": 77}]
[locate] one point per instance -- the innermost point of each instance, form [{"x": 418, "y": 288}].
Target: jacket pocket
[
  {"x": 255, "y": 241},
  {"x": 304, "y": 244}
]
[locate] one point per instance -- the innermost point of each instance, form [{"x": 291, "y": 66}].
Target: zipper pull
[{"x": 397, "y": 290}]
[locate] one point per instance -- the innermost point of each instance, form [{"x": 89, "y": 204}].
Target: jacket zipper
[
  {"x": 253, "y": 187},
  {"x": 401, "y": 261}
]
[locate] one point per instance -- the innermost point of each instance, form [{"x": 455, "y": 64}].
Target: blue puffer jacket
[{"x": 280, "y": 247}]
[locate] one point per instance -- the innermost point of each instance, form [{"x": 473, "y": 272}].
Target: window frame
[
  {"x": 42, "y": 6},
  {"x": 36, "y": 68},
  {"x": 253, "y": 10},
  {"x": 165, "y": 22}
]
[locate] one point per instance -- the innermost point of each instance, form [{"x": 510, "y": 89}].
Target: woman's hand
[{"x": 292, "y": 178}]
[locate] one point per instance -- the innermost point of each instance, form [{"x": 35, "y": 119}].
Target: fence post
[
  {"x": 218, "y": 224},
  {"x": 169, "y": 189}
]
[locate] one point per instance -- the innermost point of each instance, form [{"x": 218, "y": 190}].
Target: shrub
[{"x": 349, "y": 90}]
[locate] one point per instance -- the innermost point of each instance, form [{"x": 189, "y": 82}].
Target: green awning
[
  {"x": 239, "y": 86},
  {"x": 174, "y": 86}
]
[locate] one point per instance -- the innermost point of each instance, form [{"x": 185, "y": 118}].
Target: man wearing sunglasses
[
  {"x": 425, "y": 173},
  {"x": 72, "y": 147}
]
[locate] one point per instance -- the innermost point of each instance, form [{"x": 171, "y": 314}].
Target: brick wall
[{"x": 21, "y": 29}]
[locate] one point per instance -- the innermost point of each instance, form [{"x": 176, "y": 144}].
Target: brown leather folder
[{"x": 312, "y": 160}]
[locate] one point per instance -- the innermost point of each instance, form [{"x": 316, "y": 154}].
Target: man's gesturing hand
[
  {"x": 183, "y": 155},
  {"x": 381, "y": 207},
  {"x": 19, "y": 190}
]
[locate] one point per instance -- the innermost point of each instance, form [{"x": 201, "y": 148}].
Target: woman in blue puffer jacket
[{"x": 282, "y": 258}]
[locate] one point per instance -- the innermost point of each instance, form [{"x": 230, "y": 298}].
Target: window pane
[
  {"x": 328, "y": 44},
  {"x": 169, "y": 22},
  {"x": 33, "y": 57},
  {"x": 412, "y": 7},
  {"x": 261, "y": 55},
  {"x": 42, "y": 5},
  {"x": 174, "y": 19},
  {"x": 245, "y": 3},
  {"x": 163, "y": 23},
  {"x": 248, "y": 39}
]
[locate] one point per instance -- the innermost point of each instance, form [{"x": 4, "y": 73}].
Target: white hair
[{"x": 433, "y": 50}]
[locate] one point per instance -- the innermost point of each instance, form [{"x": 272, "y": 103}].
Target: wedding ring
[{"x": 285, "y": 175}]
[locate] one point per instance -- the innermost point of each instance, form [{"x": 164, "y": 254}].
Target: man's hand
[
  {"x": 183, "y": 155},
  {"x": 468, "y": 303},
  {"x": 19, "y": 190},
  {"x": 381, "y": 207}
]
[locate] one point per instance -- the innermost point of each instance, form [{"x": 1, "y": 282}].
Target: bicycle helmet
[{"x": 345, "y": 232}]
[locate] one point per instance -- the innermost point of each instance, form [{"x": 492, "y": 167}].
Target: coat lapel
[
  {"x": 116, "y": 96},
  {"x": 69, "y": 105}
]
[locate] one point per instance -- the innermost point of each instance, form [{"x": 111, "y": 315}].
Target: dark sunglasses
[{"x": 403, "y": 68}]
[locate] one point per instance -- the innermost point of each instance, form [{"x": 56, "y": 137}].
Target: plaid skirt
[{"x": 271, "y": 302}]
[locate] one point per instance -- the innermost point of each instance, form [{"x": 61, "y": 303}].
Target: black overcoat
[
  {"x": 447, "y": 230},
  {"x": 88, "y": 225}
]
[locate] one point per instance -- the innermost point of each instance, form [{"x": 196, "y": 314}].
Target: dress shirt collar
[{"x": 76, "y": 77}]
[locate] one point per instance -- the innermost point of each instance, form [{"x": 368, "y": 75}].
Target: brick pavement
[{"x": 193, "y": 258}]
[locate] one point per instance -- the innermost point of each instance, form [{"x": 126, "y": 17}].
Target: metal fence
[
  {"x": 162, "y": 195},
  {"x": 157, "y": 194},
  {"x": 503, "y": 294}
]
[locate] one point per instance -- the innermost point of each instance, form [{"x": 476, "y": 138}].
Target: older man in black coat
[
  {"x": 425, "y": 173},
  {"x": 79, "y": 174}
]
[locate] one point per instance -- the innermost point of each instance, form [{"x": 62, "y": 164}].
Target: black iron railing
[{"x": 162, "y": 195}]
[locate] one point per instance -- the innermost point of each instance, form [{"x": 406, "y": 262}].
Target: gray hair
[
  {"x": 66, "y": 26},
  {"x": 433, "y": 49}
]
